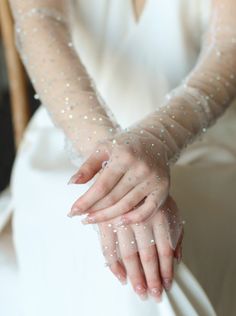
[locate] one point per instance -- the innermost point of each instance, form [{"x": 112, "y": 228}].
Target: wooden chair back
[{"x": 17, "y": 78}]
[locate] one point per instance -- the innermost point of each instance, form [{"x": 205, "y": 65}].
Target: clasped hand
[{"x": 139, "y": 224}]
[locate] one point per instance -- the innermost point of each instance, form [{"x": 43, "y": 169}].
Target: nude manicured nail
[
  {"x": 156, "y": 293},
  {"x": 141, "y": 291},
  {"x": 167, "y": 284},
  {"x": 88, "y": 220},
  {"x": 75, "y": 178},
  {"x": 75, "y": 211},
  {"x": 70, "y": 214}
]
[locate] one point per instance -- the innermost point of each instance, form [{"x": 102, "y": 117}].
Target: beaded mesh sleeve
[
  {"x": 43, "y": 39},
  {"x": 204, "y": 95},
  {"x": 65, "y": 88}
]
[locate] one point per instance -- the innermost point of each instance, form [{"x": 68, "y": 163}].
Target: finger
[
  {"x": 149, "y": 260},
  {"x": 109, "y": 241},
  {"x": 130, "y": 258},
  {"x": 91, "y": 166},
  {"x": 173, "y": 223},
  {"x": 126, "y": 183},
  {"x": 118, "y": 269},
  {"x": 143, "y": 212},
  {"x": 129, "y": 201},
  {"x": 132, "y": 177},
  {"x": 165, "y": 252},
  {"x": 102, "y": 186}
]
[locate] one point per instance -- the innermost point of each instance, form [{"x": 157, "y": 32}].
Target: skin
[{"x": 150, "y": 268}]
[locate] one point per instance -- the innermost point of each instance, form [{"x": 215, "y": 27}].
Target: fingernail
[
  {"x": 88, "y": 220},
  {"x": 167, "y": 284},
  {"x": 140, "y": 290},
  {"x": 75, "y": 211},
  {"x": 70, "y": 214},
  {"x": 122, "y": 279},
  {"x": 75, "y": 178},
  {"x": 156, "y": 293}
]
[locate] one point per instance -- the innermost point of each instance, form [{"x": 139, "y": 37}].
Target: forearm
[
  {"x": 58, "y": 75},
  {"x": 207, "y": 91}
]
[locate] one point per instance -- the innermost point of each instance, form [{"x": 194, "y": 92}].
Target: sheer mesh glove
[
  {"x": 136, "y": 161},
  {"x": 43, "y": 38},
  {"x": 142, "y": 252}
]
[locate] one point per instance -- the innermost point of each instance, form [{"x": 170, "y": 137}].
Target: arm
[
  {"x": 207, "y": 91},
  {"x": 150, "y": 145},
  {"x": 58, "y": 75}
]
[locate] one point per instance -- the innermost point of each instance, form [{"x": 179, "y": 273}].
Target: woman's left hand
[
  {"x": 142, "y": 252},
  {"x": 130, "y": 168}
]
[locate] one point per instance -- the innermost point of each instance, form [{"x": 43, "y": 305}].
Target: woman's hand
[
  {"x": 136, "y": 171},
  {"x": 139, "y": 224},
  {"x": 143, "y": 252}
]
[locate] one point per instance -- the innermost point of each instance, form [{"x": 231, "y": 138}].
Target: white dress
[{"x": 61, "y": 267}]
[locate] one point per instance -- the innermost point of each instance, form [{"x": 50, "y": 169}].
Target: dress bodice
[{"x": 135, "y": 65}]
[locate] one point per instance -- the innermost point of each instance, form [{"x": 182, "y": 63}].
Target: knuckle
[
  {"x": 128, "y": 156},
  {"x": 102, "y": 188},
  {"x": 148, "y": 257},
  {"x": 143, "y": 169},
  {"x": 166, "y": 252},
  {"x": 129, "y": 257},
  {"x": 137, "y": 218}
]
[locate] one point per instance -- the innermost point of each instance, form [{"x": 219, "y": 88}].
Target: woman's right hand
[{"x": 142, "y": 252}]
